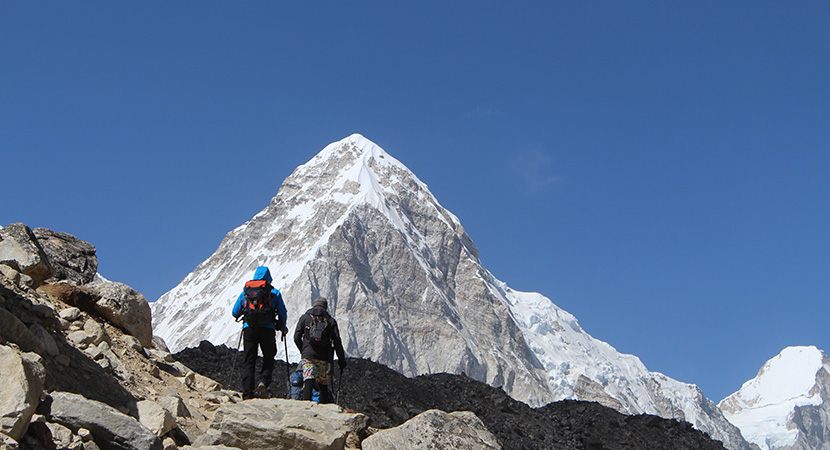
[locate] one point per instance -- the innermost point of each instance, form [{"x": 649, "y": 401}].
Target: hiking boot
[{"x": 262, "y": 390}]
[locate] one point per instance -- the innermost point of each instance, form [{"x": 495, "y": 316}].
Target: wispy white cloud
[{"x": 533, "y": 170}]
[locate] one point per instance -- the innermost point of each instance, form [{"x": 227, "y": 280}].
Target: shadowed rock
[{"x": 72, "y": 259}]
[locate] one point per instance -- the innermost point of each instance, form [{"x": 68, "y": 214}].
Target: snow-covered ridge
[{"x": 765, "y": 408}]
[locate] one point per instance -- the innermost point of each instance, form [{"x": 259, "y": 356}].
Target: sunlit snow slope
[{"x": 786, "y": 405}]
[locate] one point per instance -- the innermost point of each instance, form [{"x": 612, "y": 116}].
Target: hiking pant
[
  {"x": 316, "y": 374},
  {"x": 308, "y": 387},
  {"x": 254, "y": 338}
]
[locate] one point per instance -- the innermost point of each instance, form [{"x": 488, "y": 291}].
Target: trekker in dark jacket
[
  {"x": 318, "y": 338},
  {"x": 260, "y": 334}
]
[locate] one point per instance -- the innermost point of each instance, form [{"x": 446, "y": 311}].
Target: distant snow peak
[{"x": 779, "y": 408}]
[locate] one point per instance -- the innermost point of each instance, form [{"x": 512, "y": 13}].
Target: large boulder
[
  {"x": 156, "y": 418},
  {"x": 15, "y": 331},
  {"x": 435, "y": 429},
  {"x": 111, "y": 429},
  {"x": 124, "y": 307},
  {"x": 22, "y": 376},
  {"x": 20, "y": 250},
  {"x": 72, "y": 259},
  {"x": 278, "y": 423}
]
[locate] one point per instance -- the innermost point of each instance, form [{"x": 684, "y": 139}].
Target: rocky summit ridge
[
  {"x": 78, "y": 372},
  {"x": 408, "y": 289}
]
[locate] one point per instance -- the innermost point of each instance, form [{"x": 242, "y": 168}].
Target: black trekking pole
[
  {"x": 287, "y": 369},
  {"x": 339, "y": 385}
]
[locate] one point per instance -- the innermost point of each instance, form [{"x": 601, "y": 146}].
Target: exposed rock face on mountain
[
  {"x": 787, "y": 405},
  {"x": 405, "y": 282}
]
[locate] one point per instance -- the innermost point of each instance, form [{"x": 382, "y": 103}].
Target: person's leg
[
  {"x": 324, "y": 394},
  {"x": 249, "y": 344},
  {"x": 268, "y": 344},
  {"x": 308, "y": 386},
  {"x": 308, "y": 378}
]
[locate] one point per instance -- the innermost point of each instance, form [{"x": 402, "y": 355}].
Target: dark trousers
[
  {"x": 309, "y": 385},
  {"x": 254, "y": 338}
]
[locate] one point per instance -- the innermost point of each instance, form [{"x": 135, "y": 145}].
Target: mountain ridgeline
[{"x": 408, "y": 289}]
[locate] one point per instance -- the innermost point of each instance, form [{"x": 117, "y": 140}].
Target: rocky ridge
[
  {"x": 390, "y": 399},
  {"x": 77, "y": 375}
]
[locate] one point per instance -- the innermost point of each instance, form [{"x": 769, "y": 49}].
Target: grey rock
[
  {"x": 7, "y": 443},
  {"x": 22, "y": 376},
  {"x": 70, "y": 314},
  {"x": 121, "y": 370},
  {"x": 160, "y": 345},
  {"x": 81, "y": 338},
  {"x": 72, "y": 259},
  {"x": 124, "y": 307},
  {"x": 20, "y": 250},
  {"x": 111, "y": 429},
  {"x": 15, "y": 331},
  {"x": 11, "y": 274},
  {"x": 203, "y": 444},
  {"x": 204, "y": 383},
  {"x": 27, "y": 281},
  {"x": 94, "y": 329},
  {"x": 94, "y": 352},
  {"x": 175, "y": 405},
  {"x": 49, "y": 344},
  {"x": 63, "y": 360},
  {"x": 161, "y": 355},
  {"x": 42, "y": 311},
  {"x": 435, "y": 429},
  {"x": 132, "y": 342},
  {"x": 278, "y": 423},
  {"x": 104, "y": 363},
  {"x": 60, "y": 434},
  {"x": 85, "y": 434},
  {"x": 153, "y": 416}
]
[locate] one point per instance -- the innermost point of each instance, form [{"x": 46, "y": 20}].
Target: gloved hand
[{"x": 341, "y": 363}]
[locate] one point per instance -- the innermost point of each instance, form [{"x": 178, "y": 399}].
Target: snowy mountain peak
[
  {"x": 408, "y": 289},
  {"x": 770, "y": 409}
]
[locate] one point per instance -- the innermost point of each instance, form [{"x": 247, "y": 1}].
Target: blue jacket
[{"x": 262, "y": 273}]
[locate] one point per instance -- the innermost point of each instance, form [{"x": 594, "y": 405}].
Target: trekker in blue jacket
[{"x": 261, "y": 306}]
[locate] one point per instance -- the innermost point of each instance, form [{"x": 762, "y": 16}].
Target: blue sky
[{"x": 658, "y": 169}]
